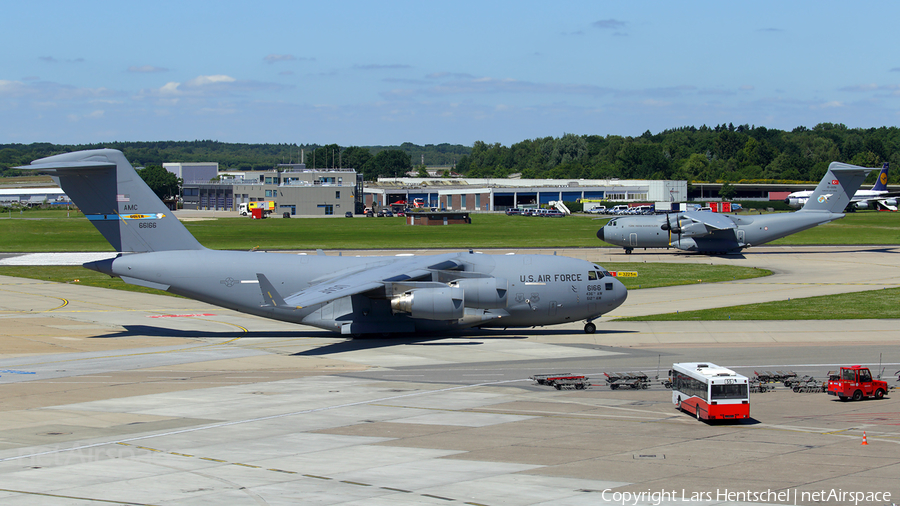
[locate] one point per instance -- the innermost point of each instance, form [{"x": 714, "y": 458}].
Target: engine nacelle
[
  {"x": 431, "y": 303},
  {"x": 861, "y": 205},
  {"x": 484, "y": 293},
  {"x": 891, "y": 202}
]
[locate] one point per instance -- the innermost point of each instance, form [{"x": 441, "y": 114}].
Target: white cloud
[
  {"x": 146, "y": 69},
  {"x": 206, "y": 80}
]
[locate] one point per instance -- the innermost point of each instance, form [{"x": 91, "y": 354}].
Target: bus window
[{"x": 737, "y": 391}]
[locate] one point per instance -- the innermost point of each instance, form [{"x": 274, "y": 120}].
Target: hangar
[{"x": 470, "y": 194}]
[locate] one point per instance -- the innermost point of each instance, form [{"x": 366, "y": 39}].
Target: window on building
[
  {"x": 462, "y": 201},
  {"x": 329, "y": 209},
  {"x": 268, "y": 193},
  {"x": 337, "y": 194},
  {"x": 268, "y": 180}
]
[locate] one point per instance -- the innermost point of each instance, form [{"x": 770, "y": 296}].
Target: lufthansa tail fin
[
  {"x": 109, "y": 192},
  {"x": 837, "y": 188},
  {"x": 881, "y": 182}
]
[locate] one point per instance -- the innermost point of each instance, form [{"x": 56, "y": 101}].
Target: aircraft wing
[
  {"x": 403, "y": 269},
  {"x": 712, "y": 221}
]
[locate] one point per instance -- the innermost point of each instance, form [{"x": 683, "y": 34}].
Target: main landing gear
[{"x": 589, "y": 328}]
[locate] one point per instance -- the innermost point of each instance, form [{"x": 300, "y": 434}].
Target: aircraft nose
[{"x": 600, "y": 234}]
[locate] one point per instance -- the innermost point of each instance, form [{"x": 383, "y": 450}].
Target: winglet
[{"x": 270, "y": 295}]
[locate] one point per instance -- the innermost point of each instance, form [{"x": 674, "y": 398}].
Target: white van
[{"x": 620, "y": 209}]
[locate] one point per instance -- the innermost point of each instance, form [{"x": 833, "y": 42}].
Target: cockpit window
[{"x": 592, "y": 276}]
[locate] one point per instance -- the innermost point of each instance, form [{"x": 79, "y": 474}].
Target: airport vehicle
[
  {"x": 856, "y": 382},
  {"x": 513, "y": 211},
  {"x": 878, "y": 197},
  {"x": 560, "y": 206},
  {"x": 563, "y": 381},
  {"x": 619, "y": 209},
  {"x": 349, "y": 295},
  {"x": 595, "y": 209},
  {"x": 710, "y": 392},
  {"x": 714, "y": 233},
  {"x": 636, "y": 381},
  {"x": 267, "y": 207}
]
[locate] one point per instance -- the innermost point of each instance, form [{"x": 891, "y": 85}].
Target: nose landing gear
[{"x": 589, "y": 328}]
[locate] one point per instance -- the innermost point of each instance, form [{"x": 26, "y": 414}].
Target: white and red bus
[{"x": 710, "y": 392}]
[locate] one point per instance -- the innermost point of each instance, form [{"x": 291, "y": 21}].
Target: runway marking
[{"x": 45, "y": 494}]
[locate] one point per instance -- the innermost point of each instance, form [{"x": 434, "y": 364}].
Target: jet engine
[
  {"x": 484, "y": 293},
  {"x": 431, "y": 303},
  {"x": 861, "y": 205}
]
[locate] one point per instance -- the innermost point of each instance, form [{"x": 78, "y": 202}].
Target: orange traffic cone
[{"x": 864, "y": 438}]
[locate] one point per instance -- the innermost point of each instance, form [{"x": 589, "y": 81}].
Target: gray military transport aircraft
[
  {"x": 349, "y": 295},
  {"x": 713, "y": 233}
]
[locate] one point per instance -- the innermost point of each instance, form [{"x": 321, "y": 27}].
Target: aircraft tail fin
[
  {"x": 115, "y": 199},
  {"x": 881, "y": 182},
  {"x": 837, "y": 188}
]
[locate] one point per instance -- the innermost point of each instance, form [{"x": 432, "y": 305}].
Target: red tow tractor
[{"x": 856, "y": 382}]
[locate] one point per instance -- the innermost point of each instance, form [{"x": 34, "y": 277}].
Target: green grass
[
  {"x": 869, "y": 304},
  {"x": 655, "y": 275},
  {"x": 52, "y": 230}
]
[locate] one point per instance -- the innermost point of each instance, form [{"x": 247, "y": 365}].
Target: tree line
[
  {"x": 723, "y": 153},
  {"x": 372, "y": 161}
]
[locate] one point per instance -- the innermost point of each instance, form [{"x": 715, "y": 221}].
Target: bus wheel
[
  {"x": 857, "y": 395},
  {"x": 879, "y": 394}
]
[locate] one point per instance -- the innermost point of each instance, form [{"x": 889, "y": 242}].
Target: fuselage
[
  {"x": 543, "y": 290},
  {"x": 677, "y": 231}
]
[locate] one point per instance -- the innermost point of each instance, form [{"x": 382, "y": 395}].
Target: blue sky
[{"x": 366, "y": 73}]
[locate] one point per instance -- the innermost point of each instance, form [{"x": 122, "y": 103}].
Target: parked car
[
  {"x": 553, "y": 213},
  {"x": 513, "y": 211},
  {"x": 348, "y": 214}
]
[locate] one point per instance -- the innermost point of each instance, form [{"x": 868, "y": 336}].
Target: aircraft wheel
[
  {"x": 589, "y": 328},
  {"x": 627, "y": 251}
]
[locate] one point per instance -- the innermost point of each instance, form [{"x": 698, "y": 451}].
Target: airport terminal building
[{"x": 294, "y": 189}]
